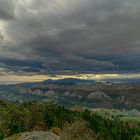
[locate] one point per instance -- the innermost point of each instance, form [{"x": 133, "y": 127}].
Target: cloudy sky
[{"x": 41, "y": 36}]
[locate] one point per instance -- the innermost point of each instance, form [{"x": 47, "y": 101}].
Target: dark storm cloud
[
  {"x": 7, "y": 9},
  {"x": 91, "y": 35},
  {"x": 16, "y": 65}
]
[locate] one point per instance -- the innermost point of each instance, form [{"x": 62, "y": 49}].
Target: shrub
[
  {"x": 77, "y": 131},
  {"x": 137, "y": 137},
  {"x": 56, "y": 130}
]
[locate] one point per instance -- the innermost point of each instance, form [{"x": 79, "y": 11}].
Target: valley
[{"x": 73, "y": 92}]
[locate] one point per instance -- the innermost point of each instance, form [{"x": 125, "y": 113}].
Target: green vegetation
[
  {"x": 68, "y": 123},
  {"x": 78, "y": 130},
  {"x": 96, "y": 95}
]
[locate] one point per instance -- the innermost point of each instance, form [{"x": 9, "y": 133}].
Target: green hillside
[{"x": 69, "y": 123}]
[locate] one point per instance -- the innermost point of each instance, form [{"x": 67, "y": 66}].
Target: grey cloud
[
  {"x": 1, "y": 37},
  {"x": 76, "y": 35},
  {"x": 7, "y": 9}
]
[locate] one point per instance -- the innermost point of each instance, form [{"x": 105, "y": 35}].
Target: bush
[
  {"x": 77, "y": 131},
  {"x": 56, "y": 130},
  {"x": 137, "y": 137}
]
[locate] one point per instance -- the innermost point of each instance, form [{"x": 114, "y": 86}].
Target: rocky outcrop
[
  {"x": 50, "y": 93},
  {"x": 22, "y": 90},
  {"x": 37, "y": 92},
  {"x": 36, "y": 135},
  {"x": 98, "y": 95}
]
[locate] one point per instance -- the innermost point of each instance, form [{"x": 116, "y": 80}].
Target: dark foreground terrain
[{"x": 38, "y": 121}]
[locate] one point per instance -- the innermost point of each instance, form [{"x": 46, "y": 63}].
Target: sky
[{"x": 68, "y": 36}]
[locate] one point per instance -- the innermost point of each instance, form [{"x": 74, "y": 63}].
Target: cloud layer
[{"x": 37, "y": 36}]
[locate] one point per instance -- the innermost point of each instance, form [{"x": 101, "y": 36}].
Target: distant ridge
[
  {"x": 67, "y": 81},
  {"x": 64, "y": 81}
]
